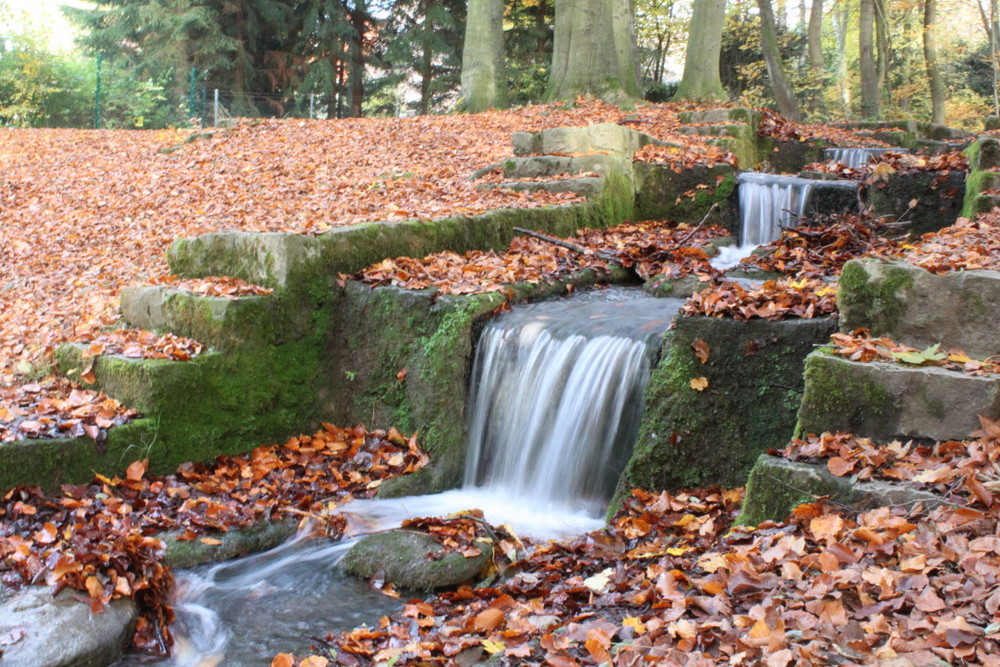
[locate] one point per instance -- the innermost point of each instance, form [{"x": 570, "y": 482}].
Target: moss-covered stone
[
  {"x": 983, "y": 154},
  {"x": 235, "y": 543},
  {"x": 938, "y": 203},
  {"x": 918, "y": 308},
  {"x": 790, "y": 156},
  {"x": 694, "y": 438},
  {"x": 776, "y": 486},
  {"x": 413, "y": 561},
  {"x": 975, "y": 201},
  {"x": 663, "y": 193},
  {"x": 890, "y": 400}
]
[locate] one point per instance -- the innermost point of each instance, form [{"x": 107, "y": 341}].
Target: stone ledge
[
  {"x": 776, "y": 486},
  {"x": 919, "y": 308},
  {"x": 889, "y": 400}
]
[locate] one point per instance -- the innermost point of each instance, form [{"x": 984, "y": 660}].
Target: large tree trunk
[
  {"x": 882, "y": 50},
  {"x": 783, "y": 94},
  {"x": 594, "y": 51},
  {"x": 701, "y": 80},
  {"x": 930, "y": 60},
  {"x": 869, "y": 73},
  {"x": 815, "y": 40},
  {"x": 484, "y": 83}
]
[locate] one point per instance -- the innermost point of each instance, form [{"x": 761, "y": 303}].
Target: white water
[
  {"x": 548, "y": 438},
  {"x": 769, "y": 203},
  {"x": 855, "y": 158}
]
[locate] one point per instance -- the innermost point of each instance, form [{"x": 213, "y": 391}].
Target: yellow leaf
[
  {"x": 635, "y": 623},
  {"x": 699, "y": 384},
  {"x": 492, "y": 646},
  {"x": 678, "y": 551},
  {"x": 211, "y": 541}
]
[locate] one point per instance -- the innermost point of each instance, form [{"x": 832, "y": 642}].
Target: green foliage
[
  {"x": 528, "y": 46},
  {"x": 926, "y": 356}
]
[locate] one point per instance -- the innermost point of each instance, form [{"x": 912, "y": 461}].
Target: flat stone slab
[
  {"x": 413, "y": 561},
  {"x": 609, "y": 138},
  {"x": 776, "y": 486},
  {"x": 40, "y": 630},
  {"x": 538, "y": 166},
  {"x": 919, "y": 308},
  {"x": 889, "y": 400},
  {"x": 587, "y": 187}
]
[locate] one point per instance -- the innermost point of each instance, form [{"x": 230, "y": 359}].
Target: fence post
[
  {"x": 192, "y": 91},
  {"x": 215, "y": 115},
  {"x": 97, "y": 93}
]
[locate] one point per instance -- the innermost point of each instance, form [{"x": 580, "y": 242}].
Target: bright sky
[{"x": 46, "y": 14}]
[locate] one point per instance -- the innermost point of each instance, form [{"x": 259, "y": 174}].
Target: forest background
[{"x": 160, "y": 63}]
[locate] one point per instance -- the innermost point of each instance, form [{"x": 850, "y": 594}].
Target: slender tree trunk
[
  {"x": 594, "y": 51},
  {"x": 869, "y": 72},
  {"x": 930, "y": 60},
  {"x": 772, "y": 58},
  {"x": 882, "y": 50},
  {"x": 484, "y": 83},
  {"x": 426, "y": 68},
  {"x": 906, "y": 61},
  {"x": 359, "y": 19},
  {"x": 843, "y": 17},
  {"x": 989, "y": 25},
  {"x": 701, "y": 79},
  {"x": 815, "y": 39}
]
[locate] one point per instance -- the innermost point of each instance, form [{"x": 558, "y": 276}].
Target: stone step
[
  {"x": 587, "y": 186},
  {"x": 888, "y": 400},
  {"x": 919, "y": 308},
  {"x": 216, "y": 322},
  {"x": 776, "y": 486},
  {"x": 541, "y": 166},
  {"x": 607, "y": 138},
  {"x": 712, "y": 116},
  {"x": 150, "y": 386}
]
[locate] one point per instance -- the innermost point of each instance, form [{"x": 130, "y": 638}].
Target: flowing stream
[
  {"x": 554, "y": 404},
  {"x": 855, "y": 158}
]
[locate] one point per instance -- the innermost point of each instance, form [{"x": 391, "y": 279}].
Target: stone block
[
  {"x": 938, "y": 205},
  {"x": 662, "y": 192},
  {"x": 991, "y": 122},
  {"x": 588, "y": 187},
  {"x": 776, "y": 486},
  {"x": 413, "y": 561},
  {"x": 691, "y": 438},
  {"x": 984, "y": 154},
  {"x": 893, "y": 400},
  {"x": 523, "y": 143},
  {"x": 607, "y": 138},
  {"x": 750, "y": 117},
  {"x": 919, "y": 308}
]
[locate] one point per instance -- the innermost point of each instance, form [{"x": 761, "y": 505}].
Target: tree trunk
[
  {"x": 906, "y": 62},
  {"x": 594, "y": 51},
  {"x": 359, "y": 18},
  {"x": 484, "y": 83},
  {"x": 426, "y": 68},
  {"x": 815, "y": 39},
  {"x": 701, "y": 79},
  {"x": 783, "y": 94},
  {"x": 930, "y": 60},
  {"x": 869, "y": 73},
  {"x": 882, "y": 50},
  {"x": 843, "y": 83}
]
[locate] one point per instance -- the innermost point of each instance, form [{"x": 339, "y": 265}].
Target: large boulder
[
  {"x": 39, "y": 630},
  {"x": 414, "y": 561}
]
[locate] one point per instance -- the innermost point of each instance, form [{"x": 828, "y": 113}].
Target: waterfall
[
  {"x": 769, "y": 203},
  {"x": 556, "y": 398},
  {"x": 855, "y": 158}
]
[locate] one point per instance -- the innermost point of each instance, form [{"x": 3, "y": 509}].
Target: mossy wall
[
  {"x": 938, "y": 201},
  {"x": 663, "y": 193},
  {"x": 692, "y": 438}
]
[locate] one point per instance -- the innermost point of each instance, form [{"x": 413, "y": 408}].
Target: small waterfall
[
  {"x": 769, "y": 203},
  {"x": 855, "y": 158},
  {"x": 556, "y": 398}
]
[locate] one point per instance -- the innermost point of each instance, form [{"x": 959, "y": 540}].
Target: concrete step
[
  {"x": 541, "y": 166},
  {"x": 776, "y": 486},
  {"x": 919, "y": 308},
  {"x": 888, "y": 400},
  {"x": 587, "y": 186},
  {"x": 216, "y": 322}
]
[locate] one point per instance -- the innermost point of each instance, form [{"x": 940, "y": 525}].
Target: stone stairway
[{"x": 889, "y": 401}]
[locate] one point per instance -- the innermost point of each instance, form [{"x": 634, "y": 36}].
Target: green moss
[
  {"x": 690, "y": 438},
  {"x": 838, "y": 399},
  {"x": 872, "y": 302}
]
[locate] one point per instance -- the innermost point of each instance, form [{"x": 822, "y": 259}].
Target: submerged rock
[
  {"x": 414, "y": 561},
  {"x": 40, "y": 630}
]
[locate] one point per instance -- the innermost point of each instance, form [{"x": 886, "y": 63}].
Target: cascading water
[
  {"x": 555, "y": 401},
  {"x": 556, "y": 398},
  {"x": 855, "y": 158}
]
